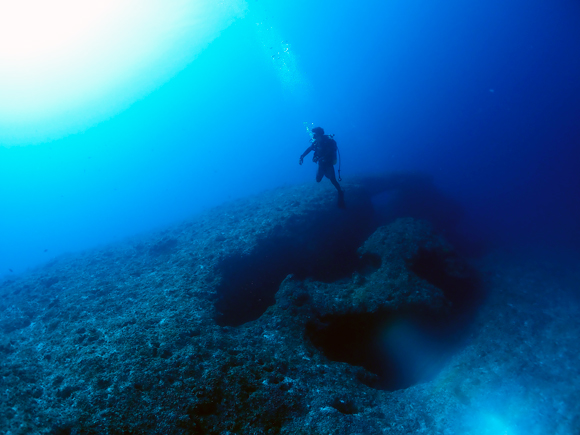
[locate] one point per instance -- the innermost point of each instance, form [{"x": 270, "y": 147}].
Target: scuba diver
[{"x": 325, "y": 150}]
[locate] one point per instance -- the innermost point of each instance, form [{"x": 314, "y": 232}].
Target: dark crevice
[
  {"x": 249, "y": 283},
  {"x": 323, "y": 248},
  {"x": 350, "y": 338},
  {"x": 398, "y": 349},
  {"x": 247, "y": 289},
  {"x": 401, "y": 349}
]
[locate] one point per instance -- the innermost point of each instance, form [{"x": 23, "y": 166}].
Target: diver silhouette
[{"x": 325, "y": 150}]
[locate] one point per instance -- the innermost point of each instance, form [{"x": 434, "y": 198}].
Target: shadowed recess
[
  {"x": 323, "y": 248},
  {"x": 400, "y": 349}
]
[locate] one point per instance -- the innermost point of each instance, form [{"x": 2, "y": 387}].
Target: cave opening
[
  {"x": 323, "y": 249},
  {"x": 249, "y": 283},
  {"x": 397, "y": 350},
  {"x": 400, "y": 349}
]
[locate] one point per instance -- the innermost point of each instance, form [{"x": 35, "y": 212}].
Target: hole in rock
[
  {"x": 249, "y": 283},
  {"x": 399, "y": 349},
  {"x": 323, "y": 247},
  {"x": 402, "y": 349}
]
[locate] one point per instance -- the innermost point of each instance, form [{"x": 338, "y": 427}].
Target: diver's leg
[
  {"x": 319, "y": 173},
  {"x": 332, "y": 177}
]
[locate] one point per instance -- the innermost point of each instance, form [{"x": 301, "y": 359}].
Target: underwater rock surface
[{"x": 281, "y": 313}]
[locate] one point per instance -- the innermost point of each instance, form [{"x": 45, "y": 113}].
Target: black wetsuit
[{"x": 325, "y": 154}]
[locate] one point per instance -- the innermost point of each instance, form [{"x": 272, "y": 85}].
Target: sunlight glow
[
  {"x": 68, "y": 64},
  {"x": 490, "y": 424}
]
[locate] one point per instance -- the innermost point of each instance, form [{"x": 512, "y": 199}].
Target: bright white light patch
[{"x": 67, "y": 64}]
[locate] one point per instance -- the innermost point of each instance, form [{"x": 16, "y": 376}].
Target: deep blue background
[{"x": 483, "y": 95}]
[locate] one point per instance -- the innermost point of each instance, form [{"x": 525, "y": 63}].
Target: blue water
[{"x": 482, "y": 95}]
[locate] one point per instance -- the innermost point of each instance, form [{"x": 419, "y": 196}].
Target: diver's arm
[{"x": 305, "y": 153}]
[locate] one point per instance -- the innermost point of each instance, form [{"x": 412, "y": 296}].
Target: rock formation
[{"x": 278, "y": 313}]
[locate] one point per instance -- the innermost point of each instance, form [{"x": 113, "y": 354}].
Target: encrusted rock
[{"x": 229, "y": 323}]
